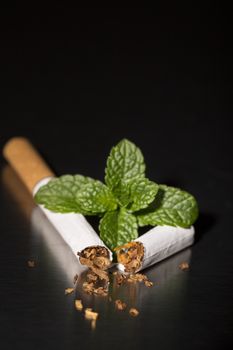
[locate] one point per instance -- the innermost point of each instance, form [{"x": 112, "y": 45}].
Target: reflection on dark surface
[
  {"x": 18, "y": 192},
  {"x": 64, "y": 258}
]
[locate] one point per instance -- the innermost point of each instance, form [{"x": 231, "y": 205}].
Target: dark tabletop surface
[{"x": 75, "y": 82}]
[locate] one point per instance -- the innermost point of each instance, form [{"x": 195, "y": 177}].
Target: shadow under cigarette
[{"x": 204, "y": 224}]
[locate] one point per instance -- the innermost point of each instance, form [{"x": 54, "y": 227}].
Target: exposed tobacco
[
  {"x": 97, "y": 259},
  {"x": 130, "y": 255},
  {"x": 97, "y": 278}
]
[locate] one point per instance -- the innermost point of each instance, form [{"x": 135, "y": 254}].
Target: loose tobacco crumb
[
  {"x": 148, "y": 284},
  {"x": 184, "y": 266},
  {"x": 137, "y": 277},
  {"x": 90, "y": 315},
  {"x": 78, "y": 304},
  {"x": 69, "y": 291},
  {"x": 133, "y": 312},
  {"x": 100, "y": 291},
  {"x": 75, "y": 280},
  {"x": 120, "y": 305},
  {"x": 120, "y": 278},
  {"x": 31, "y": 263}
]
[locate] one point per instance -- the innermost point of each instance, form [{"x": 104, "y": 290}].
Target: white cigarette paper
[
  {"x": 73, "y": 228},
  {"x": 161, "y": 242},
  {"x": 63, "y": 256}
]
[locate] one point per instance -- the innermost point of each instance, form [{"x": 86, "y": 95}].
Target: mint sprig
[{"x": 126, "y": 200}]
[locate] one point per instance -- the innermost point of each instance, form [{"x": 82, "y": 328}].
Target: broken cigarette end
[
  {"x": 130, "y": 256},
  {"x": 97, "y": 258}
]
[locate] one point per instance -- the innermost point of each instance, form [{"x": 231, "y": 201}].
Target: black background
[{"x": 77, "y": 80}]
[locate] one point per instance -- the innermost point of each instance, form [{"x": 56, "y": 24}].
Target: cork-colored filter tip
[{"x": 26, "y": 161}]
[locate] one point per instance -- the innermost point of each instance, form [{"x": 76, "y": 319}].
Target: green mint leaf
[
  {"x": 96, "y": 198},
  {"x": 172, "y": 207},
  {"x": 59, "y": 194},
  {"x": 124, "y": 163},
  {"x": 143, "y": 192},
  {"x": 118, "y": 227}
]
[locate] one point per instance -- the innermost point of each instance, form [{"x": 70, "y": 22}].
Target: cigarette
[
  {"x": 34, "y": 173},
  {"x": 157, "y": 244}
]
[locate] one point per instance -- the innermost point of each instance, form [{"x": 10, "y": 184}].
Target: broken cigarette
[
  {"x": 157, "y": 244},
  {"x": 34, "y": 173}
]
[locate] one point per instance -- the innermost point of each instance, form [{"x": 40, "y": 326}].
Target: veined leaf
[
  {"x": 96, "y": 198},
  {"x": 172, "y": 207},
  {"x": 124, "y": 163},
  {"x": 59, "y": 194},
  {"x": 143, "y": 192}
]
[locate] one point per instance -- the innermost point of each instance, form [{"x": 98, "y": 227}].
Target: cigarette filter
[
  {"x": 157, "y": 244},
  {"x": 34, "y": 172}
]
